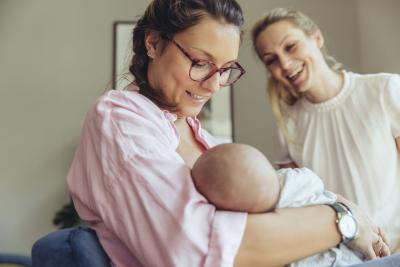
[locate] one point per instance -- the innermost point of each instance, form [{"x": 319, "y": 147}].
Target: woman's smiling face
[
  {"x": 168, "y": 71},
  {"x": 292, "y": 57}
]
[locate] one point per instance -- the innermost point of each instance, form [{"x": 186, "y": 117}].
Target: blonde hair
[{"x": 280, "y": 96}]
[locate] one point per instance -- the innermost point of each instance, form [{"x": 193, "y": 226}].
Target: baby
[{"x": 239, "y": 177}]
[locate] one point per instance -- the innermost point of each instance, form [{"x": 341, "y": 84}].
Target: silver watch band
[{"x": 346, "y": 223}]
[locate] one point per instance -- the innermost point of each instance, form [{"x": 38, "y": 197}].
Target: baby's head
[{"x": 236, "y": 177}]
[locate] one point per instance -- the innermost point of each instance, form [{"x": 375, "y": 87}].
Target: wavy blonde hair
[{"x": 280, "y": 96}]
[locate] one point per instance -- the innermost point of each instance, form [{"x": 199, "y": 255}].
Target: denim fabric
[
  {"x": 73, "y": 247},
  {"x": 391, "y": 261},
  {"x": 79, "y": 247},
  {"x": 15, "y": 259}
]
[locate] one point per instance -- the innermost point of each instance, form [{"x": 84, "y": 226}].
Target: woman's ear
[
  {"x": 152, "y": 42},
  {"x": 319, "y": 38}
]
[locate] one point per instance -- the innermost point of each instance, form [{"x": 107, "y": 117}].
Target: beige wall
[
  {"x": 55, "y": 58},
  {"x": 379, "y": 24}
]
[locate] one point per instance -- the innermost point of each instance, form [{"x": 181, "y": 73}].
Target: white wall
[{"x": 55, "y": 59}]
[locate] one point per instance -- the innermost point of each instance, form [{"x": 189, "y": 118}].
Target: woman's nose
[
  {"x": 212, "y": 84},
  {"x": 285, "y": 62}
]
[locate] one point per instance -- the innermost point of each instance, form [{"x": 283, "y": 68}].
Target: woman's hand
[
  {"x": 397, "y": 249},
  {"x": 381, "y": 248},
  {"x": 385, "y": 250},
  {"x": 371, "y": 240}
]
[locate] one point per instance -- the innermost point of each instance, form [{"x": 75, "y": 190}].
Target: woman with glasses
[{"x": 130, "y": 178}]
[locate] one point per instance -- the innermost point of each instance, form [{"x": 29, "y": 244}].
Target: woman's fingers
[
  {"x": 366, "y": 242},
  {"x": 378, "y": 245},
  {"x": 381, "y": 248},
  {"x": 385, "y": 251},
  {"x": 383, "y": 235},
  {"x": 370, "y": 255}
]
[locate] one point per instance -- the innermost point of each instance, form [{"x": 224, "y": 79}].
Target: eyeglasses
[{"x": 201, "y": 70}]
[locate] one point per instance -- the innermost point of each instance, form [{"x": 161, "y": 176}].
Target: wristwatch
[{"x": 345, "y": 221}]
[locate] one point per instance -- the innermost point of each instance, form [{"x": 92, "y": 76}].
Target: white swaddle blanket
[{"x": 302, "y": 187}]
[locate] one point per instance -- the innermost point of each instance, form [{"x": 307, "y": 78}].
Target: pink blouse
[{"x": 129, "y": 184}]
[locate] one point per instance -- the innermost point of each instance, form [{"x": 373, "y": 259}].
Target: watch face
[{"x": 348, "y": 226}]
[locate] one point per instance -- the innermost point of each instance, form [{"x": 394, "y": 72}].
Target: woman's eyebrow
[
  {"x": 284, "y": 38},
  {"x": 210, "y": 56},
  {"x": 280, "y": 44}
]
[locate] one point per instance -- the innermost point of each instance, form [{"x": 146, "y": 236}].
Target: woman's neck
[
  {"x": 181, "y": 124},
  {"x": 189, "y": 148},
  {"x": 328, "y": 85},
  {"x": 185, "y": 131}
]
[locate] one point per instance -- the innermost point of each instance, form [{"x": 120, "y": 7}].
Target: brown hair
[
  {"x": 280, "y": 96},
  {"x": 169, "y": 17}
]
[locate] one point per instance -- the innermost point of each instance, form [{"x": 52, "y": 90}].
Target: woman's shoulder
[
  {"x": 131, "y": 118},
  {"x": 126, "y": 105},
  {"x": 372, "y": 80},
  {"x": 129, "y": 100},
  {"x": 128, "y": 111}
]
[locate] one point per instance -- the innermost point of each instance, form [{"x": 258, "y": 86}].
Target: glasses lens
[
  {"x": 200, "y": 70},
  {"x": 230, "y": 76},
  {"x": 203, "y": 70}
]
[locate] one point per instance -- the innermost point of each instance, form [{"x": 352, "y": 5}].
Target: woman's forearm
[{"x": 287, "y": 235}]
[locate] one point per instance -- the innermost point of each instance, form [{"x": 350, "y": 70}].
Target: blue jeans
[{"x": 391, "y": 261}]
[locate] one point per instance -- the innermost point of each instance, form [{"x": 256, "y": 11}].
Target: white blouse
[{"x": 349, "y": 141}]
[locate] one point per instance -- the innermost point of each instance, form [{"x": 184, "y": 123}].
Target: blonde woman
[{"x": 342, "y": 125}]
